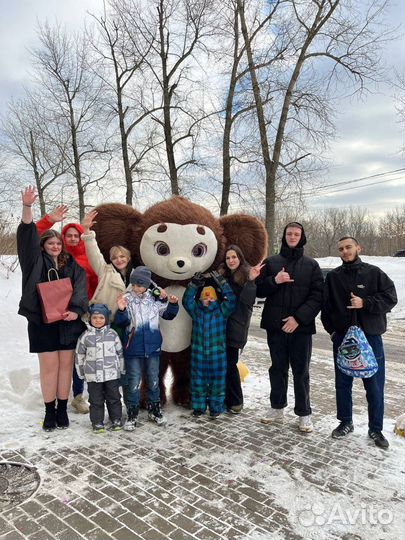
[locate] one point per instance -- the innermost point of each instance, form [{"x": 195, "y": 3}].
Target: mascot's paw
[
  {"x": 181, "y": 397},
  {"x": 399, "y": 428}
]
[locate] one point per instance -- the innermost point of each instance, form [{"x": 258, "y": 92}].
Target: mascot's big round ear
[
  {"x": 248, "y": 233},
  {"x": 117, "y": 225}
]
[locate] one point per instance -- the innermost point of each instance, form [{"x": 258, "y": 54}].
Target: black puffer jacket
[
  {"x": 302, "y": 299},
  {"x": 369, "y": 283},
  {"x": 239, "y": 320},
  {"x": 35, "y": 264}
]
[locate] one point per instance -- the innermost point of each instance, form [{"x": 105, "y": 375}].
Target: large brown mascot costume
[{"x": 175, "y": 239}]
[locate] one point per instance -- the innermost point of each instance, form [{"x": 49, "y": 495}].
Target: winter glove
[
  {"x": 218, "y": 278},
  {"x": 198, "y": 279}
]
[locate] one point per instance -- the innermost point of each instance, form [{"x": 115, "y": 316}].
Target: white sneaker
[
  {"x": 130, "y": 425},
  {"x": 305, "y": 424},
  {"x": 79, "y": 404},
  {"x": 273, "y": 416}
]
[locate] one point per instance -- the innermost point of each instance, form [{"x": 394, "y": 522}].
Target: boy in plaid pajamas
[{"x": 209, "y": 305}]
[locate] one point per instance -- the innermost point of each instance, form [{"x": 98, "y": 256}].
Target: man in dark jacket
[
  {"x": 292, "y": 284},
  {"x": 362, "y": 294}
]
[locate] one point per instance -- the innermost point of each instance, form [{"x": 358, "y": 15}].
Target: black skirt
[{"x": 46, "y": 338}]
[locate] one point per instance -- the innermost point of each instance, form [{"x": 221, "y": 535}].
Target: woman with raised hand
[
  {"x": 53, "y": 342},
  {"x": 113, "y": 277},
  {"x": 241, "y": 277}
]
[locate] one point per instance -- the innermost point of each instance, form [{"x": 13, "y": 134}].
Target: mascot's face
[{"x": 177, "y": 252}]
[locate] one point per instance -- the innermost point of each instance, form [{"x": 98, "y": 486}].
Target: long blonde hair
[{"x": 115, "y": 250}]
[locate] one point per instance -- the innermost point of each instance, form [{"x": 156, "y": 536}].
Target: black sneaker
[
  {"x": 98, "y": 428},
  {"x": 343, "y": 429},
  {"x": 132, "y": 418},
  {"x": 116, "y": 425},
  {"x": 155, "y": 414},
  {"x": 379, "y": 439},
  {"x": 214, "y": 415},
  {"x": 197, "y": 413}
]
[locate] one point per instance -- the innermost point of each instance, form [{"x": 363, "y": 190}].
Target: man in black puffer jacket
[
  {"x": 292, "y": 284},
  {"x": 362, "y": 294}
]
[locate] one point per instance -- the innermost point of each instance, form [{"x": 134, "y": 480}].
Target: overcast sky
[{"x": 370, "y": 136}]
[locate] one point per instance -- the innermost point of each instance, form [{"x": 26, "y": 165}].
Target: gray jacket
[{"x": 99, "y": 356}]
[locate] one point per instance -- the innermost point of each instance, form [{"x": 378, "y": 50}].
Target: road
[{"x": 394, "y": 338}]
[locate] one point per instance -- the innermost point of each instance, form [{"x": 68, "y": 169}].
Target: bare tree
[
  {"x": 339, "y": 37},
  {"x": 35, "y": 144},
  {"x": 124, "y": 52},
  {"x": 175, "y": 29},
  {"x": 392, "y": 231},
  {"x": 62, "y": 71}
]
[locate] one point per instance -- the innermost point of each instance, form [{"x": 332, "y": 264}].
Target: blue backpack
[{"x": 355, "y": 356}]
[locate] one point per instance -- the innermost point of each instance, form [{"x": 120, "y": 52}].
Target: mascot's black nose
[{"x": 180, "y": 264}]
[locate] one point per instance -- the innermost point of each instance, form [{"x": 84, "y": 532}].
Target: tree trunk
[
  {"x": 226, "y": 158},
  {"x": 270, "y": 181},
  {"x": 76, "y": 162},
  {"x": 37, "y": 175},
  {"x": 167, "y": 93},
  {"x": 124, "y": 148}
]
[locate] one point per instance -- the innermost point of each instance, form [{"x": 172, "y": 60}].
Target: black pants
[
  {"x": 290, "y": 350},
  {"x": 104, "y": 392},
  {"x": 233, "y": 392}
]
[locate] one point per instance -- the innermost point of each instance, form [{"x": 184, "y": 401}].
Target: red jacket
[{"x": 78, "y": 252}]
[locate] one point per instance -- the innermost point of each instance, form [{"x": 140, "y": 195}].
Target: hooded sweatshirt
[
  {"x": 78, "y": 252},
  {"x": 301, "y": 298}
]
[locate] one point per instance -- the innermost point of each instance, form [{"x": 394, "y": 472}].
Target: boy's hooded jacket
[
  {"x": 78, "y": 252},
  {"x": 99, "y": 356},
  {"x": 141, "y": 321},
  {"x": 301, "y": 299}
]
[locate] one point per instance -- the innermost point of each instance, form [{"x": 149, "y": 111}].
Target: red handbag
[{"x": 54, "y": 297}]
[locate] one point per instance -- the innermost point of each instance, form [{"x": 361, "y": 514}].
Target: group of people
[{"x": 109, "y": 334}]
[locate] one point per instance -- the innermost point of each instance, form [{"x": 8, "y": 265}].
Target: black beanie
[{"x": 303, "y": 239}]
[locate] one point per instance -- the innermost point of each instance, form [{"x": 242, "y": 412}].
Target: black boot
[
  {"x": 132, "y": 418},
  {"x": 155, "y": 414},
  {"x": 62, "y": 420},
  {"x": 49, "y": 423}
]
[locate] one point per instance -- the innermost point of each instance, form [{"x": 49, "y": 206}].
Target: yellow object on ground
[
  {"x": 243, "y": 370},
  {"x": 399, "y": 428}
]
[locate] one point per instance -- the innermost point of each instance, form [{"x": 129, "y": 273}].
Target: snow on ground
[
  {"x": 19, "y": 375},
  {"x": 21, "y": 404}
]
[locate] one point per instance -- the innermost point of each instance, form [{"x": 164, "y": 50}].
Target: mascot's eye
[
  {"x": 162, "y": 248},
  {"x": 199, "y": 250}
]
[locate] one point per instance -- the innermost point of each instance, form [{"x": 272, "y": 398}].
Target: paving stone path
[{"x": 232, "y": 478}]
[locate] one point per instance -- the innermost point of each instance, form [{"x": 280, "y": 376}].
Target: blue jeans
[
  {"x": 374, "y": 386},
  {"x": 135, "y": 366}
]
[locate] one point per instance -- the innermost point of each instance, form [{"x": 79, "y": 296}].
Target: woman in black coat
[
  {"x": 54, "y": 342},
  {"x": 241, "y": 277}
]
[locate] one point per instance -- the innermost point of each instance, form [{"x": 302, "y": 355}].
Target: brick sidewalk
[{"x": 207, "y": 480}]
